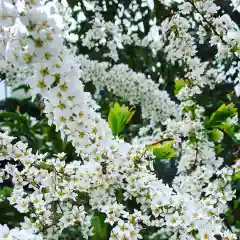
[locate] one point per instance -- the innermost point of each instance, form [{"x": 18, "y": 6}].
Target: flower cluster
[
  {"x": 55, "y": 188},
  {"x": 177, "y": 36},
  {"x": 55, "y": 194},
  {"x": 6, "y": 233},
  {"x": 131, "y": 86}
]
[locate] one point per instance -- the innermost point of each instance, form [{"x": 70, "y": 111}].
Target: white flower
[
  {"x": 4, "y": 232},
  {"x": 150, "y": 4},
  {"x": 72, "y": 37},
  {"x": 81, "y": 17},
  {"x": 7, "y": 14}
]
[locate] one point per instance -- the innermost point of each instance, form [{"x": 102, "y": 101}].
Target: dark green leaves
[
  {"x": 100, "y": 228},
  {"x": 5, "y": 192}
]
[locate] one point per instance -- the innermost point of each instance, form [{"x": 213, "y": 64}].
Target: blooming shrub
[{"x": 55, "y": 194}]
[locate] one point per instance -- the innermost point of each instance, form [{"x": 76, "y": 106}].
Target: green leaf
[
  {"x": 235, "y": 47},
  {"x": 100, "y": 228},
  {"x": 220, "y": 115},
  {"x": 119, "y": 195},
  {"x": 236, "y": 176},
  {"x": 229, "y": 130},
  {"x": 118, "y": 117},
  {"x": 179, "y": 84},
  {"x": 13, "y": 116},
  {"x": 216, "y": 135},
  {"x": 121, "y": 121},
  {"x": 6, "y": 192},
  {"x": 191, "y": 109},
  {"x": 192, "y": 137},
  {"x": 218, "y": 149},
  {"x": 165, "y": 151},
  {"x": 113, "y": 122},
  {"x": 44, "y": 165},
  {"x": 235, "y": 204}
]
